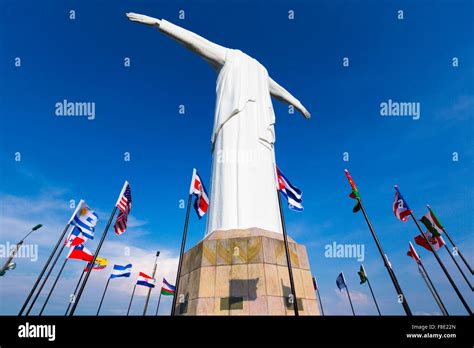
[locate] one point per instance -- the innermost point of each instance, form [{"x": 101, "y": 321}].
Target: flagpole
[
  {"x": 75, "y": 291},
  {"x": 442, "y": 266},
  {"x": 149, "y": 290},
  {"x": 103, "y": 295},
  {"x": 44, "y": 268},
  {"x": 288, "y": 258},
  {"x": 45, "y": 280},
  {"x": 348, "y": 295},
  {"x": 319, "y": 296},
  {"x": 83, "y": 285},
  {"x": 458, "y": 251},
  {"x": 429, "y": 283},
  {"x": 52, "y": 288},
  {"x": 131, "y": 299},
  {"x": 389, "y": 268},
  {"x": 459, "y": 268},
  {"x": 373, "y": 296},
  {"x": 158, "y": 305},
  {"x": 180, "y": 263}
]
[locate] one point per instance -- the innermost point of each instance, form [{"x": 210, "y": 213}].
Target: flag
[
  {"x": 341, "y": 282},
  {"x": 201, "y": 203},
  {"x": 79, "y": 252},
  {"x": 124, "y": 203},
  {"x": 413, "y": 254},
  {"x": 85, "y": 219},
  {"x": 167, "y": 288},
  {"x": 400, "y": 206},
  {"x": 292, "y": 194},
  {"x": 75, "y": 237},
  {"x": 121, "y": 271},
  {"x": 100, "y": 263},
  {"x": 145, "y": 280},
  {"x": 355, "y": 193},
  {"x": 362, "y": 275},
  {"x": 432, "y": 223},
  {"x": 436, "y": 242}
]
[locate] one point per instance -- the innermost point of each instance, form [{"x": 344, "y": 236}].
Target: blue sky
[{"x": 64, "y": 158}]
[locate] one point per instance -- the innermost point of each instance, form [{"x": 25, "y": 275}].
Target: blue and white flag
[
  {"x": 85, "y": 219},
  {"x": 341, "y": 282},
  {"x": 292, "y": 194},
  {"x": 400, "y": 207},
  {"x": 121, "y": 271}
]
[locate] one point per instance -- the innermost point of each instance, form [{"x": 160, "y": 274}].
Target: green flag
[
  {"x": 362, "y": 275},
  {"x": 354, "y": 194},
  {"x": 432, "y": 223}
]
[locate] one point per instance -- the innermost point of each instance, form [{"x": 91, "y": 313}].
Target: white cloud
[{"x": 19, "y": 214}]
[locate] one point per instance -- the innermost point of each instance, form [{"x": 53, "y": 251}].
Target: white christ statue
[{"x": 243, "y": 182}]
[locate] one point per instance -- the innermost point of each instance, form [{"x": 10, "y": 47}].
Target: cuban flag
[
  {"x": 400, "y": 206},
  {"x": 85, "y": 219},
  {"x": 121, "y": 271},
  {"x": 79, "y": 252},
  {"x": 145, "y": 280},
  {"x": 167, "y": 289},
  {"x": 292, "y": 194},
  {"x": 201, "y": 203}
]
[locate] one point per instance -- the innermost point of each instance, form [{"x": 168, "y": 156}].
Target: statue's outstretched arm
[
  {"x": 213, "y": 53},
  {"x": 283, "y": 95}
]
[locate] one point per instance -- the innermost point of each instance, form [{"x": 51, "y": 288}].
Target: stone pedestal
[{"x": 244, "y": 272}]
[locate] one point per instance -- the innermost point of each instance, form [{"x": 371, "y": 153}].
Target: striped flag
[
  {"x": 100, "y": 263},
  {"x": 124, "y": 203},
  {"x": 121, "y": 271},
  {"x": 145, "y": 280},
  {"x": 292, "y": 194},
  {"x": 413, "y": 254},
  {"x": 201, "y": 203},
  {"x": 431, "y": 223},
  {"x": 85, "y": 220},
  {"x": 400, "y": 206},
  {"x": 167, "y": 289}
]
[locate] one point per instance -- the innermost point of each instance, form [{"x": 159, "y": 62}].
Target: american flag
[{"x": 124, "y": 203}]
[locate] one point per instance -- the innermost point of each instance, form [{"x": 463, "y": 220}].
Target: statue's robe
[{"x": 243, "y": 183}]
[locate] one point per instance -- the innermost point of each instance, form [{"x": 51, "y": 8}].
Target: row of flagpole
[
  {"x": 81, "y": 229},
  {"x": 403, "y": 212},
  {"x": 83, "y": 222}
]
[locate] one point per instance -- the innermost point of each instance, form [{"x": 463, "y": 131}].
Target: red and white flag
[
  {"x": 436, "y": 242},
  {"x": 145, "y": 280},
  {"x": 124, "y": 203},
  {"x": 201, "y": 204},
  {"x": 413, "y": 254}
]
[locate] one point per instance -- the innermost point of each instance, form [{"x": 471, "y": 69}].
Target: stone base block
[{"x": 244, "y": 272}]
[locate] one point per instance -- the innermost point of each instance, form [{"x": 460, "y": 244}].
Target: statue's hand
[
  {"x": 135, "y": 17},
  {"x": 305, "y": 112}
]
